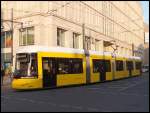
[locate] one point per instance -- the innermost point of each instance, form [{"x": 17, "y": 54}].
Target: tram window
[
  {"x": 119, "y": 65},
  {"x": 33, "y": 68},
  {"x": 63, "y": 66},
  {"x": 138, "y": 65},
  {"x": 98, "y": 63},
  {"x": 69, "y": 66},
  {"x": 129, "y": 65},
  {"x": 23, "y": 68},
  {"x": 76, "y": 66},
  {"x": 46, "y": 67},
  {"x": 107, "y": 66},
  {"x": 95, "y": 66}
]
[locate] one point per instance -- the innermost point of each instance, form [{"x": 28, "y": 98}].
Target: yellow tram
[{"x": 43, "y": 67}]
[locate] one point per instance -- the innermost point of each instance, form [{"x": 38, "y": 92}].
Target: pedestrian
[
  {"x": 10, "y": 72},
  {"x": 2, "y": 74}
]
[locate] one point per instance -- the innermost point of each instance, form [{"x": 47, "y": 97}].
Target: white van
[{"x": 145, "y": 68}]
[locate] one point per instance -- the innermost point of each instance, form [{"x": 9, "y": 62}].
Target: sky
[{"x": 145, "y": 5}]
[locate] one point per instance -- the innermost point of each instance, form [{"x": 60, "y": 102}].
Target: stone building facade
[{"x": 107, "y": 25}]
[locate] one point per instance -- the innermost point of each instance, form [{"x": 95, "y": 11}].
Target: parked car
[{"x": 145, "y": 68}]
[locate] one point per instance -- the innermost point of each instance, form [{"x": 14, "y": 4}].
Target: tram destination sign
[{"x": 23, "y": 57}]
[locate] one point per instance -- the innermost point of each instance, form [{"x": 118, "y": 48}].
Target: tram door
[
  {"x": 49, "y": 72},
  {"x": 102, "y": 71}
]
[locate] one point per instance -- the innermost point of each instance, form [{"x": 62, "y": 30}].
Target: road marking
[{"x": 133, "y": 85}]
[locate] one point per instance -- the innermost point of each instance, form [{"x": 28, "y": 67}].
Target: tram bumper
[{"x": 26, "y": 84}]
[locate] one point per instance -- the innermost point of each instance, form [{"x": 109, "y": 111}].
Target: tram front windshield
[{"x": 26, "y": 65}]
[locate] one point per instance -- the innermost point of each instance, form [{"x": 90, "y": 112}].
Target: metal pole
[
  {"x": 12, "y": 36},
  {"x": 1, "y": 21},
  {"x": 115, "y": 49},
  {"x": 144, "y": 38},
  {"x": 132, "y": 49},
  {"x": 83, "y": 33}
]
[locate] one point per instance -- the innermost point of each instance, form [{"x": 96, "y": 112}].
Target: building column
[
  {"x": 69, "y": 39},
  {"x": 101, "y": 45}
]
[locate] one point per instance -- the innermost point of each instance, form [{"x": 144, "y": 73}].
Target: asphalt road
[{"x": 128, "y": 95}]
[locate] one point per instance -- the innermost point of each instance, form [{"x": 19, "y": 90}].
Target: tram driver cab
[{"x": 26, "y": 65}]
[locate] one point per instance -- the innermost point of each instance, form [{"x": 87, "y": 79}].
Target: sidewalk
[{"x": 6, "y": 81}]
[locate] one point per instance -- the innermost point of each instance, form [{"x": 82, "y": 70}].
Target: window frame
[
  {"x": 75, "y": 41},
  {"x": 4, "y": 39},
  {"x": 25, "y": 32},
  {"x": 60, "y": 39}
]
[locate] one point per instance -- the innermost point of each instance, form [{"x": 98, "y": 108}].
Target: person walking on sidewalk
[
  {"x": 10, "y": 73},
  {"x": 2, "y": 74}
]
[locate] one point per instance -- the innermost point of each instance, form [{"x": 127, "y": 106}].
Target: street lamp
[{"x": 114, "y": 55}]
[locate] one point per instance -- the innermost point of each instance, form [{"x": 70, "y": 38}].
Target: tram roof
[{"x": 35, "y": 49}]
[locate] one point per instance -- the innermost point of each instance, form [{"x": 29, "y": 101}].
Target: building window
[
  {"x": 119, "y": 65},
  {"x": 26, "y": 36},
  {"x": 61, "y": 37},
  {"x": 2, "y": 39},
  {"x": 6, "y": 41},
  {"x": 2, "y": 58},
  {"x": 76, "y": 40},
  {"x": 6, "y": 57},
  {"x": 6, "y": 61},
  {"x": 87, "y": 42}
]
